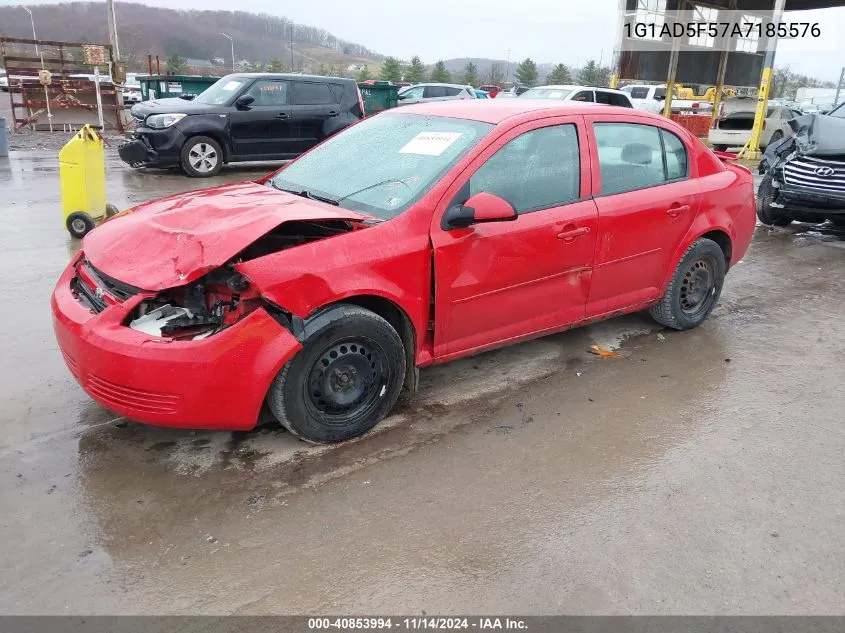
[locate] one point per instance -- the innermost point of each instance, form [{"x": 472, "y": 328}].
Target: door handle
[
  {"x": 283, "y": 115},
  {"x": 677, "y": 209},
  {"x": 570, "y": 232},
  {"x": 333, "y": 113}
]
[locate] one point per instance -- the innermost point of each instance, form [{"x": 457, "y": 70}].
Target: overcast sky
[{"x": 568, "y": 31}]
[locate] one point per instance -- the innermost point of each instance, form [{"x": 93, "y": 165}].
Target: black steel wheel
[
  {"x": 694, "y": 289},
  {"x": 344, "y": 381}
]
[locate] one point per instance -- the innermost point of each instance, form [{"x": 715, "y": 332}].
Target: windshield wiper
[
  {"x": 367, "y": 188},
  {"x": 306, "y": 194}
]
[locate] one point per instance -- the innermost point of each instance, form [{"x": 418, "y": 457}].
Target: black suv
[{"x": 242, "y": 117}]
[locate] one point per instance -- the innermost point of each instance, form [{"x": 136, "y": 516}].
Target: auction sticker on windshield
[{"x": 430, "y": 143}]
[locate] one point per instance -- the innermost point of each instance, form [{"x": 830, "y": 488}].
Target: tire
[
  {"x": 79, "y": 224},
  {"x": 768, "y": 215},
  {"x": 344, "y": 381},
  {"x": 201, "y": 157},
  {"x": 694, "y": 289},
  {"x": 111, "y": 210},
  {"x": 837, "y": 220},
  {"x": 720, "y": 148}
]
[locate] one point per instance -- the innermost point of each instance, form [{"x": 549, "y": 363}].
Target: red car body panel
[
  {"x": 175, "y": 240},
  {"x": 492, "y": 283}
]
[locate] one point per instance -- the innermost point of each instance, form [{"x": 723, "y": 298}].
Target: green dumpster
[
  {"x": 162, "y": 86},
  {"x": 379, "y": 96}
]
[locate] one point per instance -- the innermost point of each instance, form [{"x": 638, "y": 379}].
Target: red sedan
[{"x": 417, "y": 236}]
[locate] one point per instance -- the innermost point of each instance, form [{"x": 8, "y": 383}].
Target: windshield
[
  {"x": 384, "y": 164},
  {"x": 839, "y": 112},
  {"x": 545, "y": 93},
  {"x": 221, "y": 91}
]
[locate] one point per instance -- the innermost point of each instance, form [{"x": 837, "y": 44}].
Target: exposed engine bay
[{"x": 216, "y": 300}]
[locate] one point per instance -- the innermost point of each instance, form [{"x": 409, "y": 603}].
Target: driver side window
[{"x": 536, "y": 170}]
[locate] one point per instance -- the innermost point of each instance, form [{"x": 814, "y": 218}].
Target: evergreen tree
[
  {"x": 526, "y": 72},
  {"x": 363, "y": 74},
  {"x": 391, "y": 69},
  {"x": 275, "y": 66},
  {"x": 589, "y": 75},
  {"x": 415, "y": 73},
  {"x": 470, "y": 74},
  {"x": 176, "y": 64},
  {"x": 439, "y": 74},
  {"x": 559, "y": 76}
]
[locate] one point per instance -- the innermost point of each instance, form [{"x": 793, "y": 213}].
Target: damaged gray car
[{"x": 804, "y": 175}]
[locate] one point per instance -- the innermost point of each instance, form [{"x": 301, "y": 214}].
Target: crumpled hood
[
  {"x": 819, "y": 134},
  {"x": 176, "y": 240}
]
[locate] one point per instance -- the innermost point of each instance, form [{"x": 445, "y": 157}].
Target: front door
[
  {"x": 646, "y": 201},
  {"x": 263, "y": 128},
  {"x": 502, "y": 281},
  {"x": 313, "y": 105}
]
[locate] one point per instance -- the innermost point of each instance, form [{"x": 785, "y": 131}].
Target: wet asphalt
[{"x": 697, "y": 472}]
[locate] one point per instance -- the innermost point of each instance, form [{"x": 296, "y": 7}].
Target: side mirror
[
  {"x": 482, "y": 207},
  {"x": 244, "y": 100}
]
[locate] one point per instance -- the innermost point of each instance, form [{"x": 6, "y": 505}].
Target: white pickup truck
[{"x": 651, "y": 98}]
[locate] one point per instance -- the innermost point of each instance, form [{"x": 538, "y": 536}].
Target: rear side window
[
  {"x": 453, "y": 92},
  {"x": 584, "y": 95},
  {"x": 631, "y": 156},
  {"x": 536, "y": 170},
  {"x": 308, "y": 93},
  {"x": 432, "y": 92},
  {"x": 268, "y": 93},
  {"x": 620, "y": 100},
  {"x": 675, "y": 151},
  {"x": 639, "y": 93}
]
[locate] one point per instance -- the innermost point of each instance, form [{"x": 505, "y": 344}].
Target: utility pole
[
  {"x": 839, "y": 86},
  {"x": 291, "y": 47},
  {"x": 232, "y": 42},
  {"x": 112, "y": 29},
  {"x": 508, "y": 67},
  {"x": 32, "y": 21}
]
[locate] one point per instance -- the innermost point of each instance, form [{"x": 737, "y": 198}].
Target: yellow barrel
[{"x": 82, "y": 170}]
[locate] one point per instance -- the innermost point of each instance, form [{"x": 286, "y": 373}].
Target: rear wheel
[
  {"x": 720, "y": 148},
  {"x": 344, "y": 381},
  {"x": 695, "y": 287},
  {"x": 767, "y": 214},
  {"x": 201, "y": 157}
]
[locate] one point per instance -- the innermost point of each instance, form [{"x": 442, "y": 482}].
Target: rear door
[
  {"x": 583, "y": 95},
  {"x": 501, "y": 281},
  {"x": 647, "y": 199},
  {"x": 313, "y": 106},
  {"x": 262, "y": 129}
]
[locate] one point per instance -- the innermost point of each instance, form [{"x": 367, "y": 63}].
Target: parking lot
[{"x": 696, "y": 472}]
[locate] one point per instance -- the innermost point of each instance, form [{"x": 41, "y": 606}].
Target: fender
[{"x": 701, "y": 225}]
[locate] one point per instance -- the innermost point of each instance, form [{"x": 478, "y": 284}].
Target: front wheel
[
  {"x": 765, "y": 212},
  {"x": 695, "y": 287},
  {"x": 344, "y": 381},
  {"x": 201, "y": 157}
]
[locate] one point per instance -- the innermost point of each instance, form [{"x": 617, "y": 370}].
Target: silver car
[{"x": 435, "y": 92}]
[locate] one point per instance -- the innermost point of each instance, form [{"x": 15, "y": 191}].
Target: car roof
[
  {"x": 494, "y": 111},
  {"x": 286, "y": 76},
  {"x": 572, "y": 87},
  {"x": 438, "y": 84}
]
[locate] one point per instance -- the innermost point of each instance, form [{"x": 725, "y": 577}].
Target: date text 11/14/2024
[{"x": 416, "y": 623}]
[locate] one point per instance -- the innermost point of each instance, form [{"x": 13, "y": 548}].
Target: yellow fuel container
[{"x": 82, "y": 171}]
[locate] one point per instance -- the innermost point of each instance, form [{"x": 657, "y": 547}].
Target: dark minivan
[{"x": 242, "y": 117}]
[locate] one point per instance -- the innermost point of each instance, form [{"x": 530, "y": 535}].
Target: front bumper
[
  {"x": 215, "y": 383},
  {"x": 153, "y": 148},
  {"x": 810, "y": 200}
]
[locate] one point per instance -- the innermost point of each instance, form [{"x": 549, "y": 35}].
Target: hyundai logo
[{"x": 824, "y": 171}]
